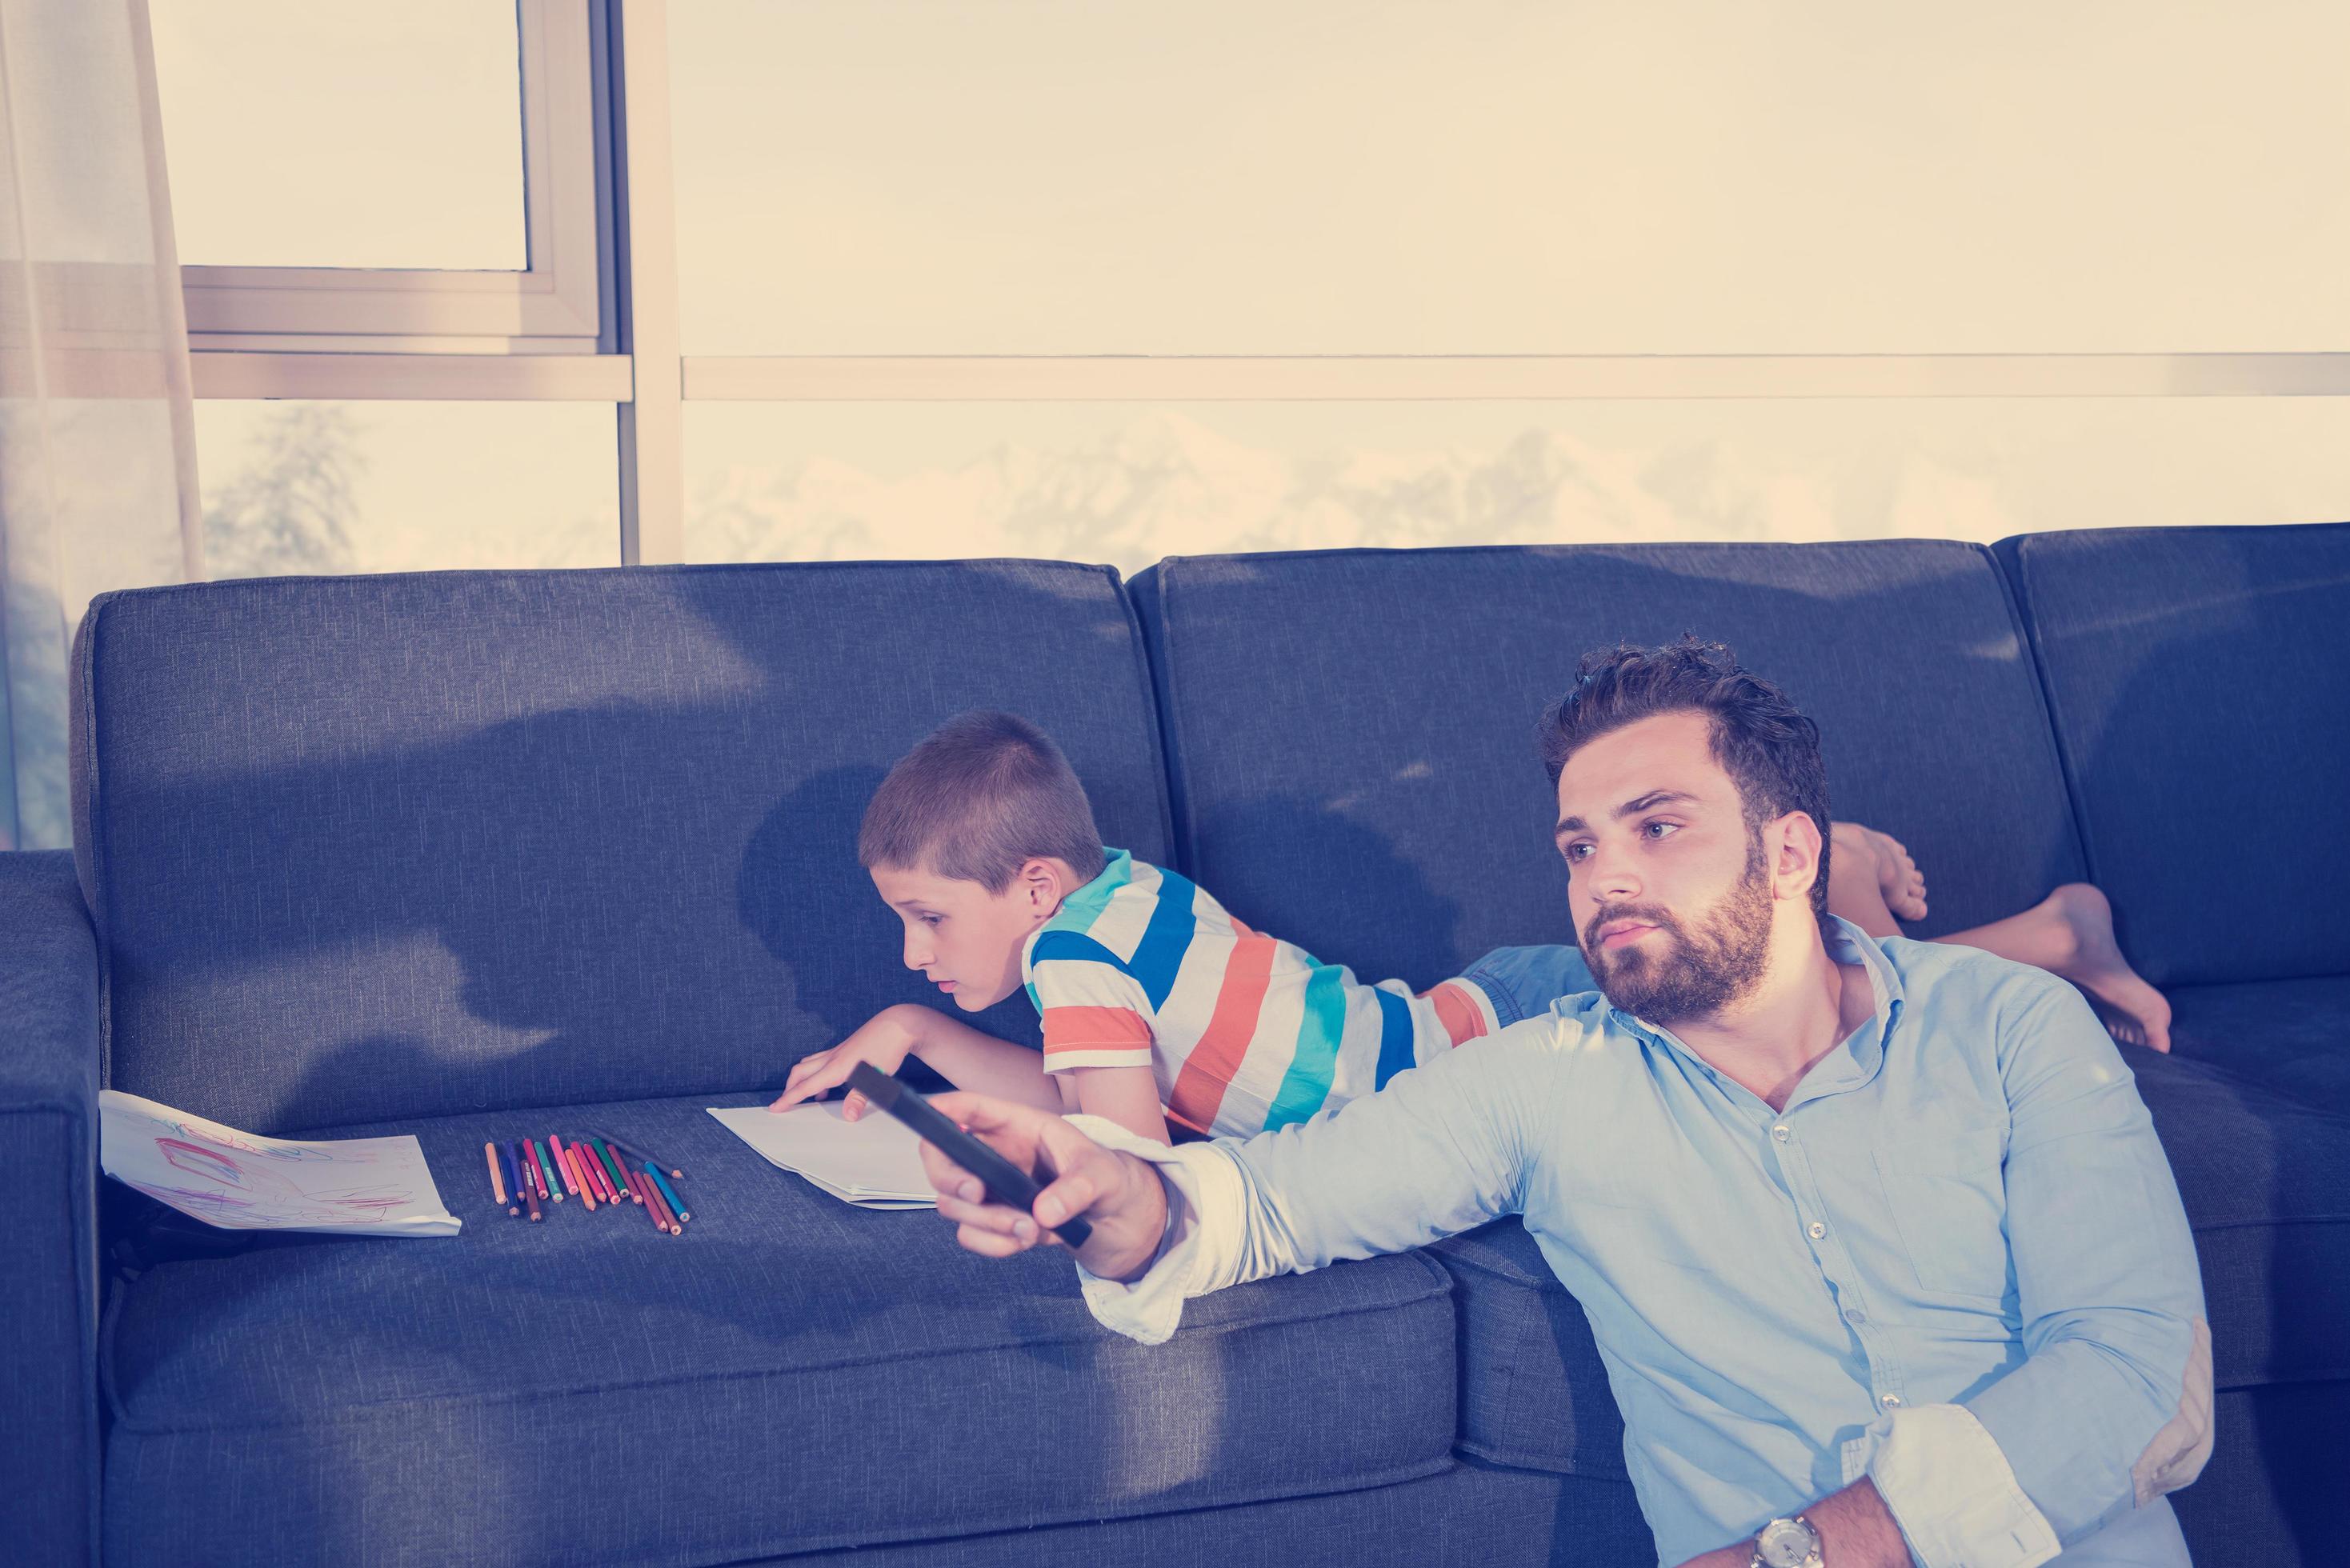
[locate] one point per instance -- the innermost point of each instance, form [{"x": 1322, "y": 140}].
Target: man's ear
[{"x": 1796, "y": 847}]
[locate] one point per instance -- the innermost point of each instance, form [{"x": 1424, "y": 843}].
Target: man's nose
[{"x": 1608, "y": 876}]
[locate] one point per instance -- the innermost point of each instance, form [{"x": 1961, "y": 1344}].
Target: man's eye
[
  {"x": 1660, "y": 829},
  {"x": 1577, "y": 851}
]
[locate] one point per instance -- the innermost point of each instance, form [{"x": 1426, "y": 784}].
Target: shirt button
[
  {"x": 1780, "y": 1133},
  {"x": 1890, "y": 1401},
  {"x": 1855, "y": 1315},
  {"x": 1815, "y": 1230}
]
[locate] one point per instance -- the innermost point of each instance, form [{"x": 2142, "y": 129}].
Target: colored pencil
[
  {"x": 570, "y": 1177},
  {"x": 590, "y": 1168},
  {"x": 530, "y": 1196},
  {"x": 612, "y": 1163},
  {"x": 633, "y": 1152},
  {"x": 619, "y": 1168},
  {"x": 530, "y": 1168},
  {"x": 636, "y": 1185},
  {"x": 668, "y": 1216},
  {"x": 669, "y": 1196},
  {"x": 547, "y": 1171},
  {"x": 568, "y": 1158},
  {"x": 653, "y": 1195},
  {"x": 497, "y": 1179},
  {"x": 513, "y": 1175}
]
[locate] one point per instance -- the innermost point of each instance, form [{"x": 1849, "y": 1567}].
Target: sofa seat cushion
[
  {"x": 2266, "y": 1183},
  {"x": 2291, "y": 1036},
  {"x": 790, "y": 1375},
  {"x": 1533, "y": 1392}
]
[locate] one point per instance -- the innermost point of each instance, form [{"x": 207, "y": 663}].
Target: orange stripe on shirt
[
  {"x": 1094, "y": 1029},
  {"x": 1461, "y": 1016},
  {"x": 1208, "y": 1071}
]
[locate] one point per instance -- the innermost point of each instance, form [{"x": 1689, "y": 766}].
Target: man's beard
[{"x": 1694, "y": 975}]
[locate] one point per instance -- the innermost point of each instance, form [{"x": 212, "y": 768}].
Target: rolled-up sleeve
[
  {"x": 1442, "y": 1148},
  {"x": 2111, "y": 1405}
]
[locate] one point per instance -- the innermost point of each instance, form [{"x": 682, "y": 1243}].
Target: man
[{"x": 1875, "y": 1236}]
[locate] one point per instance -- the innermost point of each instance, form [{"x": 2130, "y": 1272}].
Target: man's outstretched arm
[{"x": 1441, "y": 1149}]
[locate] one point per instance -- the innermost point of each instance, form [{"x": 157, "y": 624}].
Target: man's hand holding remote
[{"x": 1123, "y": 1197}]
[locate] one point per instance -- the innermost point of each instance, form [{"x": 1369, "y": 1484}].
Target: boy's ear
[{"x": 1040, "y": 884}]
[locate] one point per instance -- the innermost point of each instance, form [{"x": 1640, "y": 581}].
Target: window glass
[
  {"x": 1504, "y": 177},
  {"x": 327, "y": 488},
  {"x": 302, "y": 134},
  {"x": 1128, "y": 483}
]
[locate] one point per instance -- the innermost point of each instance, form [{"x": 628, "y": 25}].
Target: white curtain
[{"x": 97, "y": 470}]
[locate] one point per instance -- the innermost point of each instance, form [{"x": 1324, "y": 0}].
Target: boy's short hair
[
  {"x": 1769, "y": 749},
  {"x": 983, "y": 795}
]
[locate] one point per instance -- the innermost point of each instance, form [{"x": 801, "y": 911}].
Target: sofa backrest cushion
[
  {"x": 2199, "y": 683},
  {"x": 366, "y": 847},
  {"x": 1352, "y": 734}
]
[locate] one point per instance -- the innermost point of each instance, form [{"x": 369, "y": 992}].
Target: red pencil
[
  {"x": 530, "y": 1170},
  {"x": 593, "y": 1168},
  {"x": 668, "y": 1217},
  {"x": 554, "y": 1147},
  {"x": 530, "y": 1196},
  {"x": 651, "y": 1207}
]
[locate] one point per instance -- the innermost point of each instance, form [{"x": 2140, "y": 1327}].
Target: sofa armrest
[{"x": 49, "y": 1051}]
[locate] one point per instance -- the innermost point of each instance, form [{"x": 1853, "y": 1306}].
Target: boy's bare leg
[{"x": 2071, "y": 933}]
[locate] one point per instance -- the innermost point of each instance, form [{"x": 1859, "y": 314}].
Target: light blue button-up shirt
[{"x": 1955, "y": 1261}]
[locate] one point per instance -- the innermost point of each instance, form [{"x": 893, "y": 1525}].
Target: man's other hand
[{"x": 1122, "y": 1198}]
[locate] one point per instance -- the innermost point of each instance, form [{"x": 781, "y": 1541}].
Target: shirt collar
[{"x": 1846, "y": 944}]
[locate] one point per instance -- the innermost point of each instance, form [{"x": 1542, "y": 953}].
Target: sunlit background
[{"x": 1487, "y": 177}]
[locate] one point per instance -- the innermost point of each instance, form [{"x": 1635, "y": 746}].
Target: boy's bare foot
[
  {"x": 2081, "y": 940},
  {"x": 1899, "y": 880},
  {"x": 1904, "y": 884}
]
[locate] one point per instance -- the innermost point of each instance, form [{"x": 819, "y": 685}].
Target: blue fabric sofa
[{"x": 477, "y": 854}]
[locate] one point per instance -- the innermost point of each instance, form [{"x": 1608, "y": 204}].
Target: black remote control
[{"x": 1006, "y": 1182}]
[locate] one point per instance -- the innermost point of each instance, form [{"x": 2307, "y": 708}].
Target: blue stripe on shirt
[
  {"x": 1165, "y": 939},
  {"x": 1306, "y": 1084}
]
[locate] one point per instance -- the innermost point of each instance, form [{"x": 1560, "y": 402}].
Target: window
[
  {"x": 383, "y": 177},
  {"x": 336, "y": 487}
]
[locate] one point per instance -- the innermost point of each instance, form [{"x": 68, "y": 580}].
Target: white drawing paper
[
  {"x": 241, "y": 1181},
  {"x": 874, "y": 1162}
]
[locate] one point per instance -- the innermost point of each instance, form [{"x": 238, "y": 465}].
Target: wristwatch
[{"x": 1787, "y": 1543}]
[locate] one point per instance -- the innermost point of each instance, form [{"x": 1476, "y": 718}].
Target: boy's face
[{"x": 964, "y": 939}]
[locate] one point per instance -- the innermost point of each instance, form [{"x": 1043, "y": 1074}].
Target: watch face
[{"x": 1786, "y": 1544}]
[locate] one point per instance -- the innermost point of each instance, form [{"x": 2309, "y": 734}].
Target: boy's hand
[
  {"x": 885, "y": 1042},
  {"x": 1123, "y": 1197}
]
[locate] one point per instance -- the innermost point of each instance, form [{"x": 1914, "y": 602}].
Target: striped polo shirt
[{"x": 1244, "y": 1032}]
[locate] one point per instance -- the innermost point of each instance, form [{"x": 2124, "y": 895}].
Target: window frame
[{"x": 556, "y": 304}]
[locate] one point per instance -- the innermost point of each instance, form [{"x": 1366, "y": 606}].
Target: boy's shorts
[{"x": 1522, "y": 983}]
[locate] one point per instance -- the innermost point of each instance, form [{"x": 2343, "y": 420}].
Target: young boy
[{"x": 1159, "y": 1006}]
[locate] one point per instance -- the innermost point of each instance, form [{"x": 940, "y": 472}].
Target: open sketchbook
[
  {"x": 873, "y": 1162},
  {"x": 352, "y": 1187}
]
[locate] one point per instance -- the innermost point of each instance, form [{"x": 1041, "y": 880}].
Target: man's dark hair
[
  {"x": 979, "y": 798},
  {"x": 1768, "y": 748}
]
